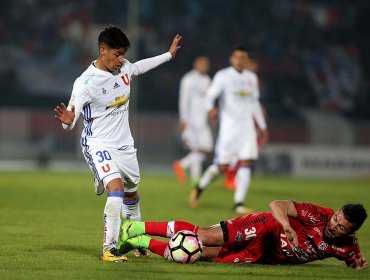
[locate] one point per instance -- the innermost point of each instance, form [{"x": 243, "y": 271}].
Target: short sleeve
[{"x": 309, "y": 213}]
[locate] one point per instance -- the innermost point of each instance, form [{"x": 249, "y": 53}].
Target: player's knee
[
  {"x": 131, "y": 196},
  {"x": 245, "y": 163},
  {"x": 222, "y": 168},
  {"x": 115, "y": 185}
]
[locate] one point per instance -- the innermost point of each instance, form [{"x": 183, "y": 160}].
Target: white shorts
[
  {"x": 198, "y": 138},
  {"x": 241, "y": 148},
  {"x": 108, "y": 164}
]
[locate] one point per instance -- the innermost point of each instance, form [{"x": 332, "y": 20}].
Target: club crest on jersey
[
  {"x": 118, "y": 102},
  {"x": 323, "y": 245},
  {"x": 103, "y": 90}
]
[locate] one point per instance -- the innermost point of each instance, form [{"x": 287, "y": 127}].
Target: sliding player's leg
[{"x": 131, "y": 228}]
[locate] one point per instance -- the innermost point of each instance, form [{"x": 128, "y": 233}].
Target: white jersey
[
  {"x": 239, "y": 104},
  {"x": 197, "y": 134},
  {"x": 103, "y": 99},
  {"x": 193, "y": 88}
]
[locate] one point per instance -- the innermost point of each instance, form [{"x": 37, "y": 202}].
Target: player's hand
[
  {"x": 182, "y": 126},
  {"x": 291, "y": 235},
  {"x": 63, "y": 115},
  {"x": 264, "y": 134},
  {"x": 213, "y": 117},
  {"x": 175, "y": 45},
  {"x": 359, "y": 263}
]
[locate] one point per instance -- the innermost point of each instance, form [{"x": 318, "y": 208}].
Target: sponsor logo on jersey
[
  {"x": 317, "y": 230},
  {"x": 118, "y": 102},
  {"x": 116, "y": 85},
  {"x": 313, "y": 219},
  {"x": 238, "y": 237},
  {"x": 322, "y": 245},
  {"x": 243, "y": 93},
  {"x": 338, "y": 249},
  {"x": 304, "y": 213}
]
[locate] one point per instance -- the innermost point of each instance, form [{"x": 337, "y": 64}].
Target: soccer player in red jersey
[{"x": 292, "y": 233}]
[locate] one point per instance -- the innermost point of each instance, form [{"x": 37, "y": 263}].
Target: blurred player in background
[
  {"x": 229, "y": 182},
  {"x": 293, "y": 233},
  {"x": 101, "y": 94},
  {"x": 195, "y": 131},
  {"x": 238, "y": 93}
]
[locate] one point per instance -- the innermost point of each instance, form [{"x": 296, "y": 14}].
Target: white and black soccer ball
[{"x": 184, "y": 247}]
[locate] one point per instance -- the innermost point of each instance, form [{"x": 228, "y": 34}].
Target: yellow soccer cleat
[{"x": 112, "y": 255}]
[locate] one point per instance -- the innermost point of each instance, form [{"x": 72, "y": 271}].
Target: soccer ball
[{"x": 184, "y": 247}]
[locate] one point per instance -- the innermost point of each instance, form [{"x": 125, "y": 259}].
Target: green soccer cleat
[
  {"x": 139, "y": 242},
  {"x": 131, "y": 229}
]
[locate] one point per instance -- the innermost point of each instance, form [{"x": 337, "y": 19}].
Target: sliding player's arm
[{"x": 281, "y": 210}]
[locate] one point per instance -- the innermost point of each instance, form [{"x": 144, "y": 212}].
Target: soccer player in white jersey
[
  {"x": 195, "y": 131},
  {"x": 238, "y": 93},
  {"x": 101, "y": 94}
]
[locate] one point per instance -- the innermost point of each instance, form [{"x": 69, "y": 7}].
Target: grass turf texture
[{"x": 51, "y": 226}]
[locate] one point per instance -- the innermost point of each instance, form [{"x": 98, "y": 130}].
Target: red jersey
[
  {"x": 259, "y": 238},
  {"x": 312, "y": 244}
]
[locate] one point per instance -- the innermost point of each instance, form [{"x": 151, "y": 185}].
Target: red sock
[
  {"x": 156, "y": 228},
  {"x": 167, "y": 229},
  {"x": 157, "y": 247},
  {"x": 181, "y": 225}
]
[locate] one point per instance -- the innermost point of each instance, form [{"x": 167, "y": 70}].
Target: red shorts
[{"x": 247, "y": 239}]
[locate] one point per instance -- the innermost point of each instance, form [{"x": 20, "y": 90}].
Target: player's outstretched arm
[
  {"x": 359, "y": 263},
  {"x": 63, "y": 115},
  {"x": 144, "y": 65},
  {"x": 175, "y": 45},
  {"x": 281, "y": 210}
]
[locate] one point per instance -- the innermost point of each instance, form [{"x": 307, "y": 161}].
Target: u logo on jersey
[
  {"x": 106, "y": 168},
  {"x": 125, "y": 79},
  {"x": 118, "y": 102}
]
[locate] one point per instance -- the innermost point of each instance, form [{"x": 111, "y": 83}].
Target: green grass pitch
[{"x": 51, "y": 226}]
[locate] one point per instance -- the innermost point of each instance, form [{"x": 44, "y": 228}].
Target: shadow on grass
[{"x": 90, "y": 251}]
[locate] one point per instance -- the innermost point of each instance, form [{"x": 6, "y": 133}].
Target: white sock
[
  {"x": 209, "y": 175},
  {"x": 196, "y": 166},
  {"x": 242, "y": 181},
  {"x": 131, "y": 210},
  {"x": 112, "y": 219}
]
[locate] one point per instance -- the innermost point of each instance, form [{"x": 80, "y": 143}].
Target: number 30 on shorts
[{"x": 103, "y": 155}]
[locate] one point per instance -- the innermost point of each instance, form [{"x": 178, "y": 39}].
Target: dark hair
[
  {"x": 239, "y": 48},
  {"x": 355, "y": 214},
  {"x": 114, "y": 38}
]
